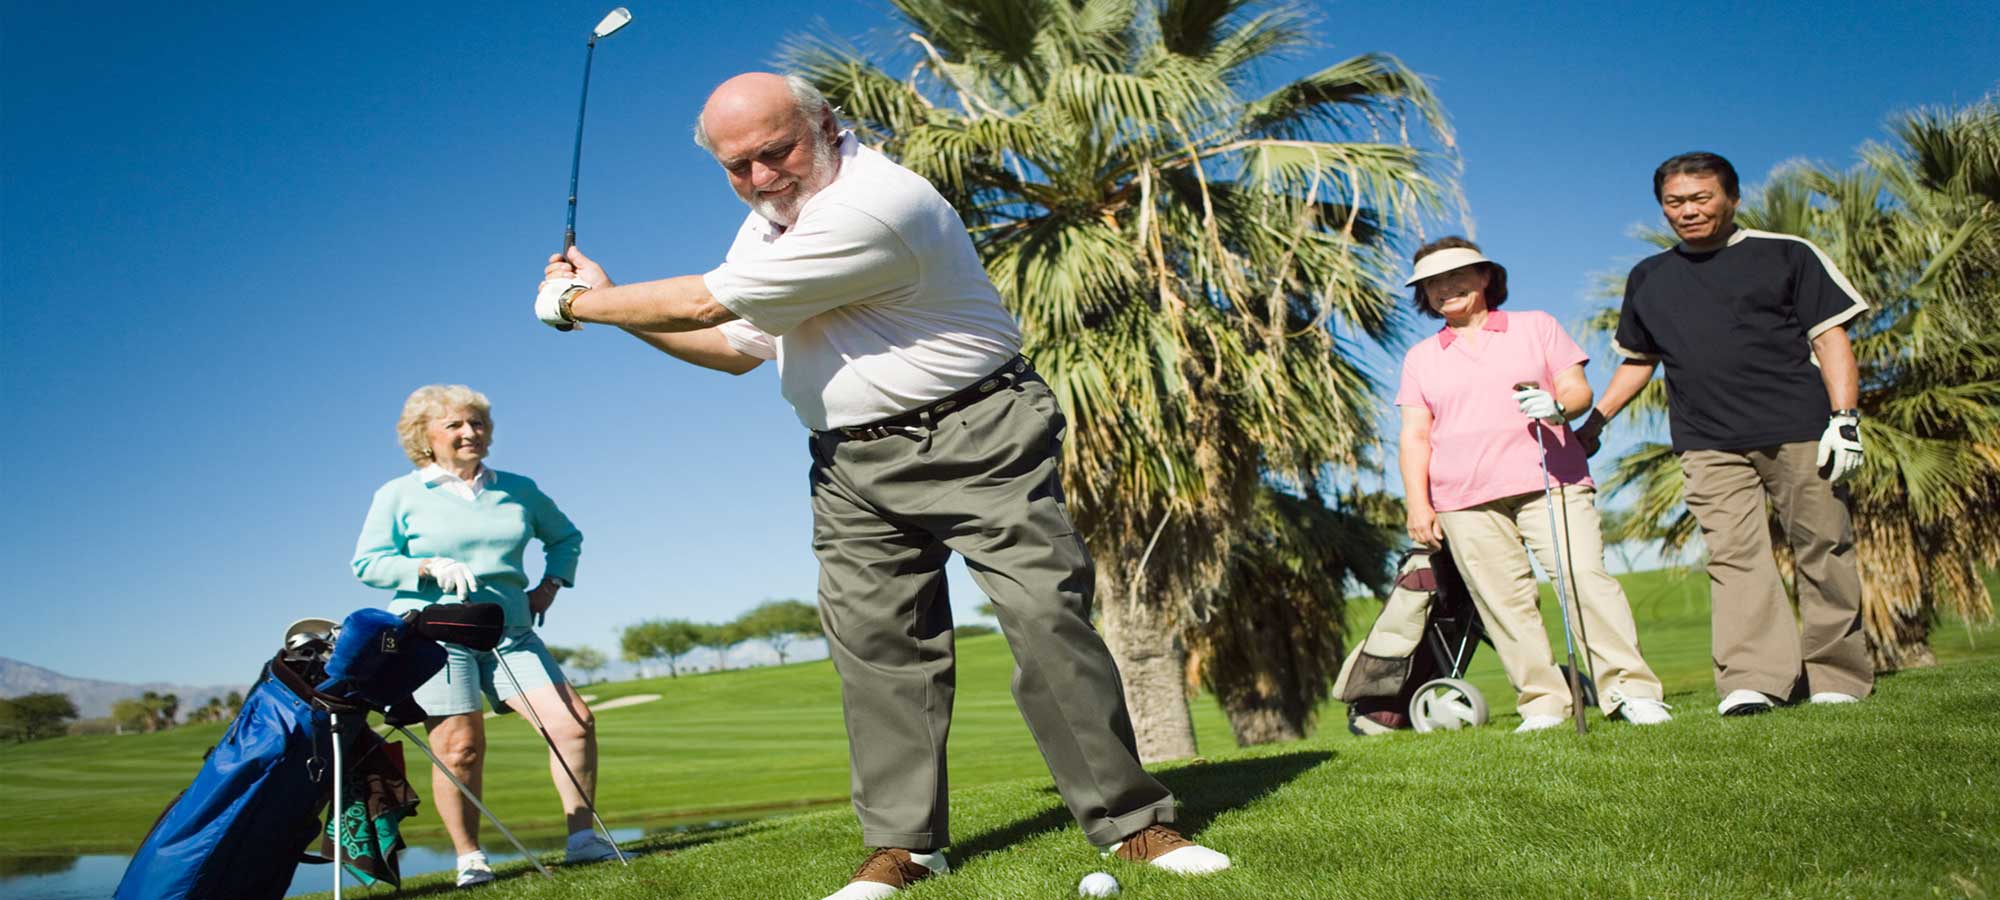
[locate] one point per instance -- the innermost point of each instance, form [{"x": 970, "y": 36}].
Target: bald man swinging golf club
[{"x": 929, "y": 434}]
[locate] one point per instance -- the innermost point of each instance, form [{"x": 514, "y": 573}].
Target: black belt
[{"x": 1014, "y": 372}]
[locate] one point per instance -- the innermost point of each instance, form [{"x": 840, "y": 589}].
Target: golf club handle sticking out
[
  {"x": 588, "y": 802},
  {"x": 467, "y": 793},
  {"x": 612, "y": 21},
  {"x": 1562, "y": 583}
]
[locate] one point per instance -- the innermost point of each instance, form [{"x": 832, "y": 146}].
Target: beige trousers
[
  {"x": 1486, "y": 541},
  {"x": 1758, "y": 643}
]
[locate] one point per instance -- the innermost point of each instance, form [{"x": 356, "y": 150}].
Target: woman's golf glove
[
  {"x": 1536, "y": 403},
  {"x": 1840, "y": 446},
  {"x": 452, "y": 576}
]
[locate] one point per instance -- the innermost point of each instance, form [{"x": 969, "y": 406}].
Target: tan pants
[
  {"x": 1758, "y": 644},
  {"x": 1486, "y": 541}
]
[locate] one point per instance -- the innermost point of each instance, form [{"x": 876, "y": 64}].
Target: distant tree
[
  {"x": 562, "y": 654},
  {"x": 586, "y": 660},
  {"x": 211, "y": 711},
  {"x": 974, "y": 629},
  {"x": 32, "y": 717},
  {"x": 234, "y": 703},
  {"x": 169, "y": 710},
  {"x": 668, "y": 639},
  {"x": 988, "y": 610},
  {"x": 780, "y": 623},
  {"x": 132, "y": 714},
  {"x": 721, "y": 637}
]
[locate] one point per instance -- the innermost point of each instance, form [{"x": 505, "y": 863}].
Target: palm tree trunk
[{"x": 1152, "y": 663}]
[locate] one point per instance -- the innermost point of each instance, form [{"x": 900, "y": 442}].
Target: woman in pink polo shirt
[{"x": 1472, "y": 476}]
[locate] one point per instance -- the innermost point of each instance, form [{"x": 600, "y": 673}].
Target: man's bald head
[{"x": 756, "y": 100}]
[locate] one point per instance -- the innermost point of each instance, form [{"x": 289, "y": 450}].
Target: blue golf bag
[{"x": 241, "y": 829}]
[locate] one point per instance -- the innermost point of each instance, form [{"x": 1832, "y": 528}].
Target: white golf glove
[
  {"x": 549, "y": 306},
  {"x": 452, "y": 576},
  {"x": 1536, "y": 403},
  {"x": 1840, "y": 446}
]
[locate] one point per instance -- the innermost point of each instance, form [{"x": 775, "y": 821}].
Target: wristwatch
[
  {"x": 1847, "y": 414},
  {"x": 563, "y": 302}
]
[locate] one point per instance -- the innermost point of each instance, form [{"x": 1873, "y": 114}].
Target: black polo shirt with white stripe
[{"x": 1734, "y": 328}]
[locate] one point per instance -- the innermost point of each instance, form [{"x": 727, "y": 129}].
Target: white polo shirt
[{"x": 873, "y": 304}]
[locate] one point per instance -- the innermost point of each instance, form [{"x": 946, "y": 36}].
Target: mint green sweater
[{"x": 410, "y": 521}]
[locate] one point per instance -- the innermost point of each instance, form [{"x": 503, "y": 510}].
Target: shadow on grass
[
  {"x": 648, "y": 845},
  {"x": 1205, "y": 790}
]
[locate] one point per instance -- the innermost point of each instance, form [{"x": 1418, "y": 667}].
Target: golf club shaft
[
  {"x": 536, "y": 717},
  {"x": 576, "y": 156},
  {"x": 469, "y": 795},
  {"x": 1562, "y": 588},
  {"x": 333, "y": 725},
  {"x": 1582, "y": 627}
]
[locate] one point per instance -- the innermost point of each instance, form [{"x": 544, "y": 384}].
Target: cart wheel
[
  {"x": 1446, "y": 704},
  {"x": 1589, "y": 698}
]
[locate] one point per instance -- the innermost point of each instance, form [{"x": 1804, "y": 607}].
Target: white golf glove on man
[
  {"x": 1536, "y": 403},
  {"x": 452, "y": 576},
  {"x": 1840, "y": 445},
  {"x": 549, "y": 305}
]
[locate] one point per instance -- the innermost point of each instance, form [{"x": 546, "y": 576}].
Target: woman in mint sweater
[{"x": 454, "y": 531}]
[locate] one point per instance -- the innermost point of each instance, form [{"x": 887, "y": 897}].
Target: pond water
[{"x": 95, "y": 876}]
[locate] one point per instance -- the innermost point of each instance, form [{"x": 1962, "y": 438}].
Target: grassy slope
[{"x": 727, "y": 744}]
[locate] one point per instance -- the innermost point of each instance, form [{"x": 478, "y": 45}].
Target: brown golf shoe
[
  {"x": 885, "y": 872},
  {"x": 1161, "y": 846}
]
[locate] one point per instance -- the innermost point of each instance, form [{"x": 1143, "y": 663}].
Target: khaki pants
[
  {"x": 1758, "y": 644},
  {"x": 887, "y": 513},
  {"x": 1486, "y": 541}
]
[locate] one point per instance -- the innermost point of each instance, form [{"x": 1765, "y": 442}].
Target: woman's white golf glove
[
  {"x": 1840, "y": 446},
  {"x": 452, "y": 576},
  {"x": 1536, "y": 403}
]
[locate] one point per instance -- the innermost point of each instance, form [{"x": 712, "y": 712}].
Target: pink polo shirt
[{"x": 1482, "y": 447}]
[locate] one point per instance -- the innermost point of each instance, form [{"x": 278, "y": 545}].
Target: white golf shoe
[
  {"x": 473, "y": 869},
  {"x": 1538, "y": 723},
  {"x": 1641, "y": 711},
  {"x": 1744, "y": 702},
  {"x": 1834, "y": 697}
]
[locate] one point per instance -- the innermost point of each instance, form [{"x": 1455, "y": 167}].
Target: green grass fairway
[{"x": 1897, "y": 796}]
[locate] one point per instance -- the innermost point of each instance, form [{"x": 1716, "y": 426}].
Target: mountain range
[{"x": 94, "y": 697}]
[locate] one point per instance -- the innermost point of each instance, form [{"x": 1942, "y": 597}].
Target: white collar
[{"x": 435, "y": 474}]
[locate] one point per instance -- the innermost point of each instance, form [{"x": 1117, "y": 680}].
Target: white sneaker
[
  {"x": 1834, "y": 697},
  {"x": 1744, "y": 702},
  {"x": 473, "y": 869},
  {"x": 1538, "y": 723},
  {"x": 1642, "y": 711},
  {"x": 588, "y": 847}
]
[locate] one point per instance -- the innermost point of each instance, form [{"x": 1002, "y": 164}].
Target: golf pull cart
[
  {"x": 301, "y": 742},
  {"x": 1409, "y": 672}
]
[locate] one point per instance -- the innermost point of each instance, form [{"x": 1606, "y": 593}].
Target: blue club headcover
[{"x": 379, "y": 660}]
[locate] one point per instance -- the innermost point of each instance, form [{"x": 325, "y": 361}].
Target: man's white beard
[{"x": 785, "y": 210}]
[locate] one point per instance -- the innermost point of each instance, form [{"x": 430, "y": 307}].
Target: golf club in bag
[{"x": 1562, "y": 581}]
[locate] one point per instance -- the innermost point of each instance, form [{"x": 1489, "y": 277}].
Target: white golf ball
[{"x": 1097, "y": 884}]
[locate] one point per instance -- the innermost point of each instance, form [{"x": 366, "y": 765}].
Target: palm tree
[
  {"x": 1916, "y": 227},
  {"x": 1190, "y": 261}
]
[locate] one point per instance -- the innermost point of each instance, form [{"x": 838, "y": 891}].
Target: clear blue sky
[{"x": 236, "y": 237}]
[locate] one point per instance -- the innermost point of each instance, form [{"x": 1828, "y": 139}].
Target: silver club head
[{"x": 613, "y": 20}]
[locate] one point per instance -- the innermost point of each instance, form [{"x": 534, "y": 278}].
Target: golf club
[
  {"x": 1562, "y": 583},
  {"x": 469, "y": 795},
  {"x": 536, "y": 717},
  {"x": 614, "y": 20},
  {"x": 339, "y": 774}
]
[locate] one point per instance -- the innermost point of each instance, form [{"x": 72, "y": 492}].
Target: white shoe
[
  {"x": 473, "y": 869},
  {"x": 1744, "y": 702},
  {"x": 1834, "y": 697},
  {"x": 1538, "y": 723},
  {"x": 588, "y": 847},
  {"x": 1642, "y": 711}
]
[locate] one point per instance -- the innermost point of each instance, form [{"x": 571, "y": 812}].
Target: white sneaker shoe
[
  {"x": 1643, "y": 711},
  {"x": 588, "y": 847},
  {"x": 1744, "y": 702},
  {"x": 1834, "y": 697},
  {"x": 473, "y": 869},
  {"x": 1538, "y": 723}
]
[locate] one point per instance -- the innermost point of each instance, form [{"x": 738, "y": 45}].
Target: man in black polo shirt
[{"x": 1740, "y": 317}]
